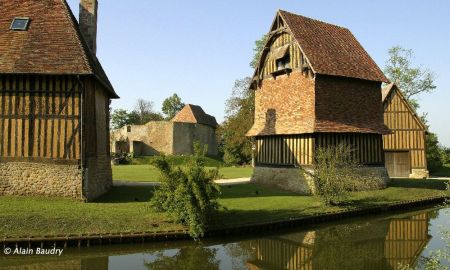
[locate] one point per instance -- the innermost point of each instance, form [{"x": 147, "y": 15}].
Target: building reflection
[
  {"x": 375, "y": 244},
  {"x": 387, "y": 244}
]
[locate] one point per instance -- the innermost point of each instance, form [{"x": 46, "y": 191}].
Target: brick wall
[
  {"x": 348, "y": 105},
  {"x": 284, "y": 105}
]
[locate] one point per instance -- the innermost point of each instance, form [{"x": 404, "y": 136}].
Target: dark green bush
[
  {"x": 188, "y": 193},
  {"x": 436, "y": 155},
  {"x": 121, "y": 158}
]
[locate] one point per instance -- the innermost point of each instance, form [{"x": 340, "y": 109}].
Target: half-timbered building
[
  {"x": 315, "y": 85},
  {"x": 54, "y": 101},
  {"x": 404, "y": 148}
]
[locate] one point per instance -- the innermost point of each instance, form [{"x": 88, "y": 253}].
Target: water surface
[{"x": 375, "y": 242}]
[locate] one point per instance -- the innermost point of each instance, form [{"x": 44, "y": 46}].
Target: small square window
[
  {"x": 20, "y": 24},
  {"x": 128, "y": 128},
  {"x": 283, "y": 63}
]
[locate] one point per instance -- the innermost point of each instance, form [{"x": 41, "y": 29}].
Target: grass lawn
[
  {"x": 176, "y": 160},
  {"x": 148, "y": 173},
  {"x": 249, "y": 203},
  {"x": 126, "y": 209},
  {"x": 444, "y": 171}
]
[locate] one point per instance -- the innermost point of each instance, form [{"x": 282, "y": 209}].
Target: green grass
[
  {"x": 118, "y": 211},
  {"x": 249, "y": 203},
  {"x": 176, "y": 160},
  {"x": 148, "y": 173},
  {"x": 444, "y": 171},
  {"x": 126, "y": 209}
]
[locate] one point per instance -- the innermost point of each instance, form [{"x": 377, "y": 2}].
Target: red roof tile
[
  {"x": 51, "y": 45},
  {"x": 331, "y": 49}
]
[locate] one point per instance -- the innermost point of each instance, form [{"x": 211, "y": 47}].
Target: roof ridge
[{"x": 312, "y": 19}]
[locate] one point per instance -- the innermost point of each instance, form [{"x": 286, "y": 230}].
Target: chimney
[{"x": 88, "y": 23}]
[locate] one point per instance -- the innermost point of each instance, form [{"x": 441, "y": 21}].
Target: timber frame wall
[
  {"x": 295, "y": 150},
  {"x": 40, "y": 118},
  {"x": 408, "y": 131},
  {"x": 297, "y": 59}
]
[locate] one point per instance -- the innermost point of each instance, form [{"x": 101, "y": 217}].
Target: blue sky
[{"x": 152, "y": 49}]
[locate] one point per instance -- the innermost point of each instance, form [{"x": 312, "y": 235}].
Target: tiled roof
[
  {"x": 52, "y": 44},
  {"x": 195, "y": 114},
  {"x": 331, "y": 49}
]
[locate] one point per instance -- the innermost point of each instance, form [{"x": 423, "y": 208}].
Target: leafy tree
[
  {"x": 239, "y": 116},
  {"x": 435, "y": 152},
  {"x": 171, "y": 106},
  {"x": 189, "y": 194},
  {"x": 240, "y": 107},
  {"x": 120, "y": 118},
  {"x": 143, "y": 113},
  {"x": 412, "y": 80},
  {"x": 257, "y": 51},
  {"x": 436, "y": 156}
]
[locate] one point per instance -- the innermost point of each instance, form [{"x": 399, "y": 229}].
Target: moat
[{"x": 373, "y": 242}]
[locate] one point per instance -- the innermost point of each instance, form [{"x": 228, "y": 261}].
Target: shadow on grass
[
  {"x": 418, "y": 183},
  {"x": 127, "y": 194},
  {"x": 227, "y": 218},
  {"x": 252, "y": 191}
]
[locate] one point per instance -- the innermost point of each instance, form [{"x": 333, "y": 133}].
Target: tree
[
  {"x": 412, "y": 80},
  {"x": 171, "y": 106},
  {"x": 257, "y": 51},
  {"x": 240, "y": 107},
  {"x": 239, "y": 116},
  {"x": 120, "y": 118},
  {"x": 436, "y": 156},
  {"x": 143, "y": 112},
  {"x": 435, "y": 152}
]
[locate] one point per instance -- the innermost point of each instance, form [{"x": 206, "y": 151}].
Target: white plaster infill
[{"x": 220, "y": 182}]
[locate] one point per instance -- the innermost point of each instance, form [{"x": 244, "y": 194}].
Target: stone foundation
[
  {"x": 45, "y": 179},
  {"x": 419, "y": 174},
  {"x": 99, "y": 177},
  {"x": 56, "y": 180},
  {"x": 290, "y": 179},
  {"x": 300, "y": 180}
]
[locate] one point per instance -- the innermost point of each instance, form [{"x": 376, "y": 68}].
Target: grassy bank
[
  {"x": 148, "y": 173},
  {"x": 126, "y": 209}
]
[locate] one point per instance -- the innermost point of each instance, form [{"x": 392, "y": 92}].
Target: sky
[{"x": 197, "y": 49}]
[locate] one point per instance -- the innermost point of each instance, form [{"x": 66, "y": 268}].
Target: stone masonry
[
  {"x": 28, "y": 178},
  {"x": 299, "y": 180}
]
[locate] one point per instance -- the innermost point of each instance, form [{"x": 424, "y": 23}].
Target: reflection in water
[
  {"x": 375, "y": 243},
  {"x": 197, "y": 257},
  {"x": 350, "y": 246}
]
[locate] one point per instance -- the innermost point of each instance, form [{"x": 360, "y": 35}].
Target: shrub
[
  {"x": 436, "y": 155},
  {"x": 336, "y": 173},
  {"x": 121, "y": 158},
  {"x": 189, "y": 194}
]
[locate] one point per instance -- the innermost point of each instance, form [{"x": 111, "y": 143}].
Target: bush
[
  {"x": 436, "y": 155},
  {"x": 121, "y": 158},
  {"x": 336, "y": 173},
  {"x": 189, "y": 194}
]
